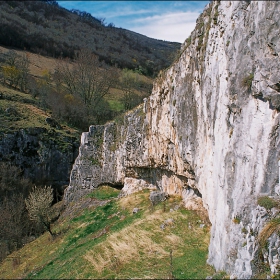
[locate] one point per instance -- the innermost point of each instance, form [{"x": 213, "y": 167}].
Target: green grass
[
  {"x": 220, "y": 275},
  {"x": 247, "y": 81},
  {"x": 272, "y": 226},
  {"x": 21, "y": 117},
  {"x": 109, "y": 241},
  {"x": 116, "y": 105},
  {"x": 25, "y": 112},
  {"x": 20, "y": 111},
  {"x": 104, "y": 192}
]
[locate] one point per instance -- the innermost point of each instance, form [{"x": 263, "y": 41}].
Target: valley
[{"x": 172, "y": 174}]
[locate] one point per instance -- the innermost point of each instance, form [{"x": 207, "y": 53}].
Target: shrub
[
  {"x": 237, "y": 219},
  {"x": 188, "y": 41},
  {"x": 267, "y": 202},
  {"x": 247, "y": 81},
  {"x": 38, "y": 205},
  {"x": 216, "y": 14}
]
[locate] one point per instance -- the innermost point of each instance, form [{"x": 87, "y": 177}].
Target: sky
[{"x": 165, "y": 20}]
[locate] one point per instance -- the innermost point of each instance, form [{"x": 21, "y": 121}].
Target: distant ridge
[{"x": 46, "y": 28}]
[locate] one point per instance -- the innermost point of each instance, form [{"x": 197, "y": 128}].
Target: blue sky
[{"x": 165, "y": 20}]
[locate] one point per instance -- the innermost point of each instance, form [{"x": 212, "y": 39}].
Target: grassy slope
[
  {"x": 25, "y": 114},
  {"x": 28, "y": 112},
  {"x": 109, "y": 241},
  {"x": 40, "y": 65}
]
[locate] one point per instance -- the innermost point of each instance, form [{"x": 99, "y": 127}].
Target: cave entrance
[{"x": 117, "y": 186}]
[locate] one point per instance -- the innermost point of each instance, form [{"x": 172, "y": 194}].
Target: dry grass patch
[
  {"x": 273, "y": 226},
  {"x": 124, "y": 246},
  {"x": 133, "y": 247},
  {"x": 31, "y": 257},
  {"x": 142, "y": 242},
  {"x": 135, "y": 200},
  {"x": 173, "y": 239},
  {"x": 83, "y": 225},
  {"x": 37, "y": 111},
  {"x": 38, "y": 64}
]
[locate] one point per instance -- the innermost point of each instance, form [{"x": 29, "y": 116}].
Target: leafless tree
[
  {"x": 11, "y": 181},
  {"x": 15, "y": 70},
  {"x": 128, "y": 82},
  {"x": 12, "y": 222},
  {"x": 15, "y": 226},
  {"x": 88, "y": 78}
]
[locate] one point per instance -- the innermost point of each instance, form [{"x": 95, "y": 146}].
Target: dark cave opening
[{"x": 117, "y": 186}]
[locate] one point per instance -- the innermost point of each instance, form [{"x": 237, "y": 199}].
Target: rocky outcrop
[
  {"x": 209, "y": 132},
  {"x": 44, "y": 156}
]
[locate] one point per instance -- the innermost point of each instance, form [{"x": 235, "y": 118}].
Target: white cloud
[
  {"x": 165, "y": 20},
  {"x": 174, "y": 27},
  {"x": 125, "y": 12}
]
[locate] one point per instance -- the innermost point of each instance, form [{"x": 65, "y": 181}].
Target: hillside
[
  {"x": 28, "y": 113},
  {"x": 31, "y": 142},
  {"x": 40, "y": 132},
  {"x": 45, "y": 28},
  {"x": 100, "y": 237},
  {"x": 41, "y": 67}
]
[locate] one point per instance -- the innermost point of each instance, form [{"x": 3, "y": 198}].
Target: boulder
[{"x": 157, "y": 196}]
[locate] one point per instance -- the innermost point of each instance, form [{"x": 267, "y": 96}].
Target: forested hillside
[{"x": 44, "y": 27}]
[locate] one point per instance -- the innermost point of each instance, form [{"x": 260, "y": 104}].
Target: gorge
[{"x": 209, "y": 132}]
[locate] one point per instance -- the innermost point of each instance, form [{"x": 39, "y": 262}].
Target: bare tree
[
  {"x": 38, "y": 205},
  {"x": 15, "y": 226},
  {"x": 12, "y": 181},
  {"x": 15, "y": 70},
  {"x": 88, "y": 78},
  {"x": 128, "y": 82},
  {"x": 23, "y": 66},
  {"x": 13, "y": 223}
]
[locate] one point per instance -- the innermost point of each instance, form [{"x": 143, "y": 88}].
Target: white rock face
[{"x": 209, "y": 132}]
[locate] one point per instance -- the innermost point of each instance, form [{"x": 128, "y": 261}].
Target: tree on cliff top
[{"x": 38, "y": 205}]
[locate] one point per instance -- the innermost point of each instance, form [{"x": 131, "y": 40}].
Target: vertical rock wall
[
  {"x": 208, "y": 132},
  {"x": 42, "y": 158}
]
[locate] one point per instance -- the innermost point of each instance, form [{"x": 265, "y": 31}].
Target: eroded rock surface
[
  {"x": 43, "y": 159},
  {"x": 209, "y": 132}
]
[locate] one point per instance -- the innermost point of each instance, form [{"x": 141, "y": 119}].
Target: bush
[
  {"x": 267, "y": 202},
  {"x": 237, "y": 219},
  {"x": 15, "y": 227},
  {"x": 38, "y": 205},
  {"x": 247, "y": 81}
]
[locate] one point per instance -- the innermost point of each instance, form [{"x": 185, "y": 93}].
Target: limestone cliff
[{"x": 208, "y": 132}]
